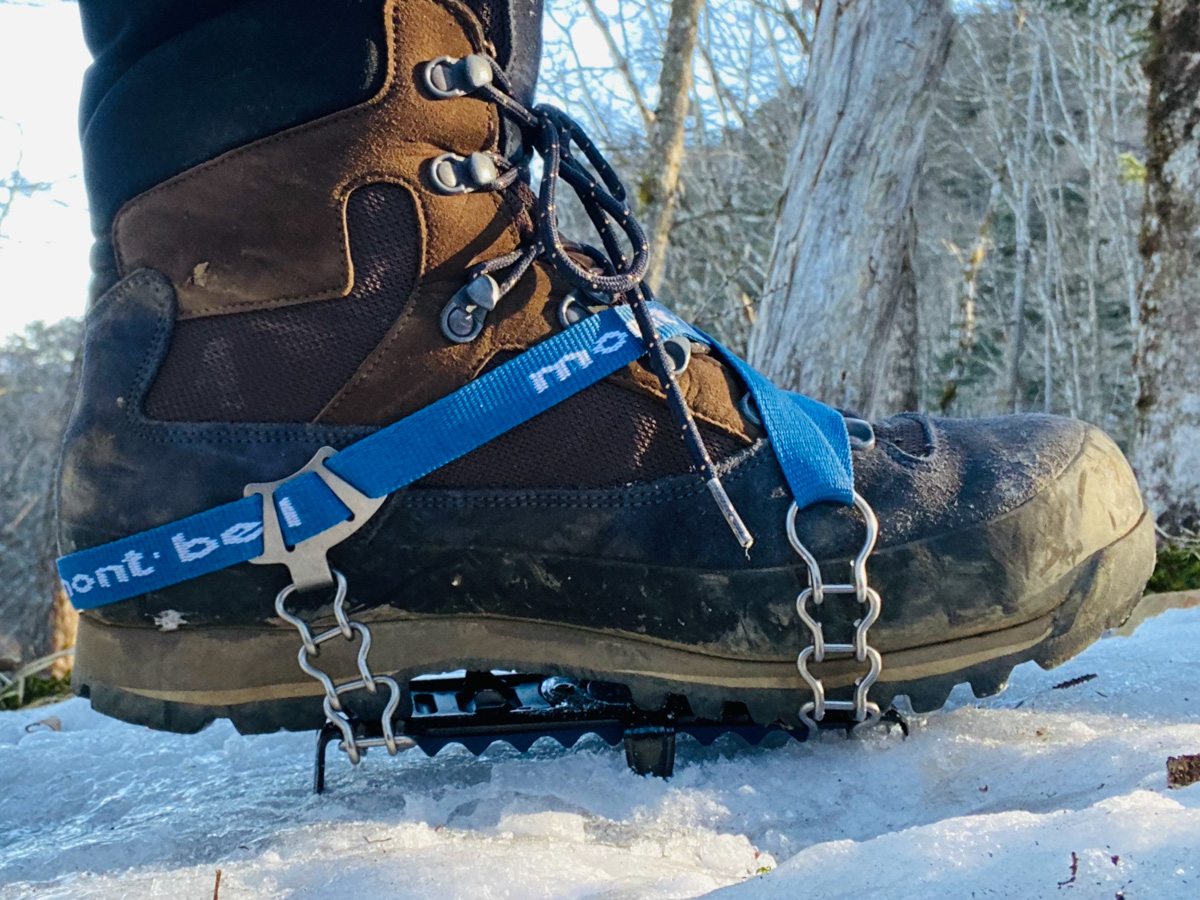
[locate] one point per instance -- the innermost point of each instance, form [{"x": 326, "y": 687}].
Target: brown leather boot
[{"x": 305, "y": 288}]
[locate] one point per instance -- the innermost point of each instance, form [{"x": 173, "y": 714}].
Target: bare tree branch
[{"x": 622, "y": 65}]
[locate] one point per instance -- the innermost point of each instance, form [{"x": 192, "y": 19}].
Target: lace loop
[{"x": 555, "y": 136}]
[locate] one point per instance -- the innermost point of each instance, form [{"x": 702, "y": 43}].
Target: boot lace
[{"x": 610, "y": 274}]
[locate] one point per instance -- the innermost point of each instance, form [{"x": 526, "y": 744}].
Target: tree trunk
[
  {"x": 838, "y": 315},
  {"x": 1167, "y": 452},
  {"x": 659, "y": 183},
  {"x": 903, "y": 370},
  {"x": 1015, "y": 344}
]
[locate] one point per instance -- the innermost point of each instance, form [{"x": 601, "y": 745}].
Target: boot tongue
[{"x": 515, "y": 29}]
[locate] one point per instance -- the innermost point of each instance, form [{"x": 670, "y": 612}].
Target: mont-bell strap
[{"x": 809, "y": 439}]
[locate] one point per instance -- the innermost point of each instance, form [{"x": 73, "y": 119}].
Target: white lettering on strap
[
  {"x": 289, "y": 512},
  {"x": 560, "y": 369},
  {"x": 609, "y": 342},
  {"x": 133, "y": 562},
  {"x": 196, "y": 548},
  {"x": 116, "y": 569},
  {"x": 244, "y": 532}
]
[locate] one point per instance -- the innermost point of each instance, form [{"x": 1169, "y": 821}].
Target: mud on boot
[{"x": 527, "y": 477}]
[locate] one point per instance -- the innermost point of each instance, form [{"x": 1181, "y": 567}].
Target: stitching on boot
[{"x": 676, "y": 487}]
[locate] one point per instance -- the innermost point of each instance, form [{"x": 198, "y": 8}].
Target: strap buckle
[{"x": 306, "y": 561}]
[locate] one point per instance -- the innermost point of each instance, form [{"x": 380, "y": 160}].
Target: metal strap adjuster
[{"x": 306, "y": 560}]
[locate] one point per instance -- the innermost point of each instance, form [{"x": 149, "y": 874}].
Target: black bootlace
[{"x": 556, "y": 138}]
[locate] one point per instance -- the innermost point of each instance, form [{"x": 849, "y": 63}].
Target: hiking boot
[{"x": 302, "y": 278}]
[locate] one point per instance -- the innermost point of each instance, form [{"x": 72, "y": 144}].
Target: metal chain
[
  {"x": 865, "y": 712},
  {"x": 354, "y": 747}
]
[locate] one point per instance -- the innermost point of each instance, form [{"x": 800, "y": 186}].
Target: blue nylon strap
[
  {"x": 809, "y": 439},
  {"x": 386, "y": 461}
]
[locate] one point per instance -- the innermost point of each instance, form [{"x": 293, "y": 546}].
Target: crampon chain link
[
  {"x": 862, "y": 710},
  {"x": 352, "y": 745}
]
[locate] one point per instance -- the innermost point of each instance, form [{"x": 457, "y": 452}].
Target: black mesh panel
[{"x": 604, "y": 436}]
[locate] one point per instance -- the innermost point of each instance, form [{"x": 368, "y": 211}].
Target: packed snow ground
[{"x": 1035, "y": 793}]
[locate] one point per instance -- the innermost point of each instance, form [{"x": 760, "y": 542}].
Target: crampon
[{"x": 477, "y": 709}]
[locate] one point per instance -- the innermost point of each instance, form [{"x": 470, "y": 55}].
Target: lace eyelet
[
  {"x": 448, "y": 78},
  {"x": 572, "y": 311},
  {"x": 679, "y": 351},
  {"x": 452, "y": 174},
  {"x": 749, "y": 410},
  {"x": 579, "y": 304},
  {"x": 464, "y": 316},
  {"x": 862, "y": 433}
]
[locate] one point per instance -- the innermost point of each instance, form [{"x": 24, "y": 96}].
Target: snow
[{"x": 1008, "y": 797}]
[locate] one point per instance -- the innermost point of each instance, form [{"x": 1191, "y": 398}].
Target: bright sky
[{"x": 44, "y": 249}]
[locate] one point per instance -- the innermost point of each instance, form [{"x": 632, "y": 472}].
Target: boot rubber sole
[{"x": 184, "y": 679}]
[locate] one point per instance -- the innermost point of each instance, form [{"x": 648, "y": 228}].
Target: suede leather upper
[
  {"x": 263, "y": 227},
  {"x": 266, "y": 220}
]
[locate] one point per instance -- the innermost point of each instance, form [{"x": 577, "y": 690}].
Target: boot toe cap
[{"x": 967, "y": 472}]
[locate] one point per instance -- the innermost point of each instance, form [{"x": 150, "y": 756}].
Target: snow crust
[{"x": 1035, "y": 793}]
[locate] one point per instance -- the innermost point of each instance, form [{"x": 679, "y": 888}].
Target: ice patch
[{"x": 1009, "y": 797}]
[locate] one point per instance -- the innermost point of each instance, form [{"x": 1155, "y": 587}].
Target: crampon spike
[{"x": 478, "y": 709}]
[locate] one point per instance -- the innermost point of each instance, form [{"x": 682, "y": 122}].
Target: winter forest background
[{"x": 886, "y": 204}]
